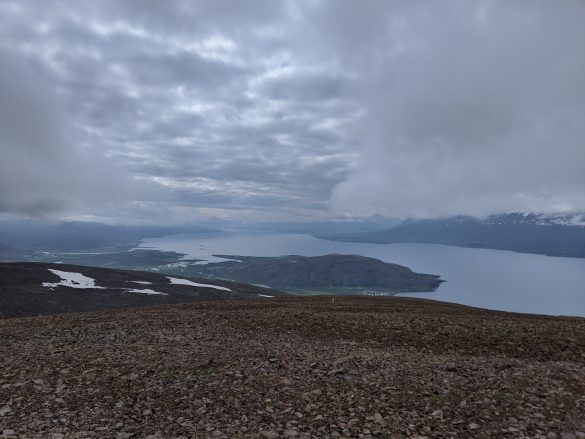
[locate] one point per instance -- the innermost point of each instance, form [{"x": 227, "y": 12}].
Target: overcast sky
[{"x": 262, "y": 110}]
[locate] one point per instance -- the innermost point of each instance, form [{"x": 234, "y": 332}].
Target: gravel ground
[{"x": 301, "y": 367}]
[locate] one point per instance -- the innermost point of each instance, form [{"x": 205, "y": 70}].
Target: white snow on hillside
[
  {"x": 143, "y": 282},
  {"x": 145, "y": 291},
  {"x": 264, "y": 295},
  {"x": 72, "y": 280},
  {"x": 177, "y": 281},
  {"x": 575, "y": 220}
]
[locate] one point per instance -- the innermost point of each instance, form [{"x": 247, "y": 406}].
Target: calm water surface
[{"x": 491, "y": 279}]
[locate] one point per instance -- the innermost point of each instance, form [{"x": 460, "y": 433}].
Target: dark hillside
[
  {"x": 22, "y": 292},
  {"x": 333, "y": 271}
]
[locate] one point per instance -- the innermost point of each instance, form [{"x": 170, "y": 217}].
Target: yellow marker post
[{"x": 332, "y": 300}]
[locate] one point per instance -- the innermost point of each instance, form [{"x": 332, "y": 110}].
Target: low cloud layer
[
  {"x": 265, "y": 110},
  {"x": 476, "y": 108}
]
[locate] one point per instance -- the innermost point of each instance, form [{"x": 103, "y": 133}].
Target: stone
[
  {"x": 379, "y": 419},
  {"x": 198, "y": 402},
  {"x": 269, "y": 434}
]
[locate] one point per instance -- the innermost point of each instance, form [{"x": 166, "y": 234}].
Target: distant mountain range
[
  {"x": 80, "y": 235},
  {"x": 319, "y": 227},
  {"x": 520, "y": 232},
  {"x": 7, "y": 253},
  {"x": 28, "y": 289}
]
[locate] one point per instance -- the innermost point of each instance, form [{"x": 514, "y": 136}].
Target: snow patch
[
  {"x": 264, "y": 295},
  {"x": 72, "y": 280},
  {"x": 177, "y": 281},
  {"x": 143, "y": 282},
  {"x": 145, "y": 291}
]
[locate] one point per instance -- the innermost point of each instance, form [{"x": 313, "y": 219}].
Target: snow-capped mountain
[
  {"x": 538, "y": 219},
  {"x": 516, "y": 218}
]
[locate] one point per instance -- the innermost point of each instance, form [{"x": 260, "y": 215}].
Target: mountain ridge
[{"x": 520, "y": 232}]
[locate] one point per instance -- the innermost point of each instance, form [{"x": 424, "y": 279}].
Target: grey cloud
[
  {"x": 178, "y": 69},
  {"x": 42, "y": 170},
  {"x": 304, "y": 87},
  {"x": 412, "y": 108},
  {"x": 172, "y": 94},
  {"x": 482, "y": 113}
]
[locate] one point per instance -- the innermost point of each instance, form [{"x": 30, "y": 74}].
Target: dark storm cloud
[{"x": 266, "y": 108}]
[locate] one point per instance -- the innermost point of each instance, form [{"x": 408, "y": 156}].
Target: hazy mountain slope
[
  {"x": 321, "y": 272},
  {"x": 22, "y": 292},
  {"x": 7, "y": 253},
  {"x": 77, "y": 235},
  {"x": 318, "y": 227},
  {"x": 554, "y": 236}
]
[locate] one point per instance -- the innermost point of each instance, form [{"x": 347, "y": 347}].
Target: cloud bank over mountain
[
  {"x": 307, "y": 109},
  {"x": 477, "y": 108}
]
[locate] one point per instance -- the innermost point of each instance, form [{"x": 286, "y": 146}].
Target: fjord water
[{"x": 492, "y": 279}]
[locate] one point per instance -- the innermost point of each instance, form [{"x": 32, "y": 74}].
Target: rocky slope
[
  {"x": 330, "y": 272},
  {"x": 22, "y": 292},
  {"x": 297, "y": 367}
]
